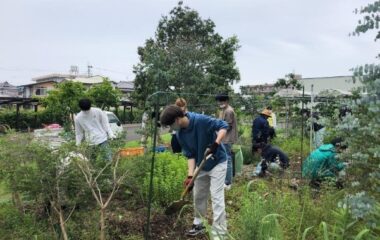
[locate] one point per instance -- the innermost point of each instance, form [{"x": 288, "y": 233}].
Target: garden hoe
[{"x": 176, "y": 206}]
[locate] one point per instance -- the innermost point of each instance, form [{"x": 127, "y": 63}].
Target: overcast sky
[{"x": 276, "y": 36}]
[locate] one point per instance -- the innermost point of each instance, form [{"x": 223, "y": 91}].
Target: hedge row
[{"x": 28, "y": 118}]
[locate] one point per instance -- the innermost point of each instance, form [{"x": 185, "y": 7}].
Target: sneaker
[
  {"x": 227, "y": 187},
  {"x": 196, "y": 229}
]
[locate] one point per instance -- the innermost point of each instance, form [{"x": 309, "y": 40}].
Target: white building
[{"x": 340, "y": 83}]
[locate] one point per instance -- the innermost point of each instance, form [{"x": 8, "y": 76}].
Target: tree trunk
[
  {"x": 62, "y": 224},
  {"x": 102, "y": 224}
]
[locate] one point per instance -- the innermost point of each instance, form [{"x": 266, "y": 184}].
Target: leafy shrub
[
  {"x": 247, "y": 155},
  {"x": 27, "y": 118},
  {"x": 169, "y": 172},
  {"x": 15, "y": 225}
]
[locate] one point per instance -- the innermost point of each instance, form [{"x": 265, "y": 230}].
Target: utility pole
[{"x": 89, "y": 74}]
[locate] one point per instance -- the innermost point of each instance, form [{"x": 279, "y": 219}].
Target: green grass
[
  {"x": 5, "y": 196},
  {"x": 165, "y": 138}
]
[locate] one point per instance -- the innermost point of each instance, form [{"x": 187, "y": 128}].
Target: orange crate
[{"x": 132, "y": 151}]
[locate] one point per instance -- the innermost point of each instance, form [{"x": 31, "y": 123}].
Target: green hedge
[{"x": 28, "y": 118}]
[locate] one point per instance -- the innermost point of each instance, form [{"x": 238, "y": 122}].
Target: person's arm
[
  {"x": 255, "y": 131},
  {"x": 220, "y": 135},
  {"x": 283, "y": 158},
  {"x": 219, "y": 126},
  {"x": 265, "y": 131},
  {"x": 335, "y": 165},
  {"x": 78, "y": 132},
  {"x": 229, "y": 118},
  {"x": 190, "y": 167},
  {"x": 106, "y": 125}
]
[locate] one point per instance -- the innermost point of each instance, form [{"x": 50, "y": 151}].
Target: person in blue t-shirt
[{"x": 199, "y": 134}]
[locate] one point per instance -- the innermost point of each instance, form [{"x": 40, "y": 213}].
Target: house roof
[
  {"x": 55, "y": 75},
  {"x": 314, "y": 78},
  {"x": 125, "y": 84},
  {"x": 37, "y": 83},
  {"x": 6, "y": 84},
  {"x": 90, "y": 80}
]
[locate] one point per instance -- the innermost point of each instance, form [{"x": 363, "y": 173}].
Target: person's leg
[
  {"x": 217, "y": 175},
  {"x": 228, "y": 180},
  {"x": 105, "y": 151},
  {"x": 200, "y": 194}
]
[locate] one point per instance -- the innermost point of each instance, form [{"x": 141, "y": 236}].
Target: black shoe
[{"x": 196, "y": 229}]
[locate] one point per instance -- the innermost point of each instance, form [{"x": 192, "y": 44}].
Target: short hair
[
  {"x": 338, "y": 142},
  {"x": 269, "y": 107},
  {"x": 84, "y": 104},
  {"x": 181, "y": 102},
  {"x": 169, "y": 115},
  {"x": 222, "y": 97}
]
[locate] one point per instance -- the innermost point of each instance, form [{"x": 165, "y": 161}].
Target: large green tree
[
  {"x": 105, "y": 95},
  {"x": 185, "y": 56},
  {"x": 62, "y": 102}
]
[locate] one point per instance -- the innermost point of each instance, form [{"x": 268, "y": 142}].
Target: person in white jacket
[{"x": 92, "y": 125}]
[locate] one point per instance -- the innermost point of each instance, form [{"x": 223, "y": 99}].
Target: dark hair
[
  {"x": 338, "y": 142},
  {"x": 169, "y": 115},
  {"x": 85, "y": 104},
  {"x": 222, "y": 97},
  {"x": 269, "y": 107},
  {"x": 257, "y": 146}
]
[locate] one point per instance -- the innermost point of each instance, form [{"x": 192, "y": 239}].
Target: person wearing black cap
[{"x": 227, "y": 114}]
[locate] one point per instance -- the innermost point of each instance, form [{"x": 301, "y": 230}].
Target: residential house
[
  {"x": 46, "y": 83},
  {"x": 261, "y": 89},
  {"x": 90, "y": 81},
  {"x": 126, "y": 87},
  {"x": 43, "y": 84},
  {"x": 8, "y": 90}
]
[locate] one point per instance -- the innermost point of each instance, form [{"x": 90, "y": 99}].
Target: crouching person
[
  {"x": 272, "y": 158},
  {"x": 322, "y": 163},
  {"x": 199, "y": 135}
]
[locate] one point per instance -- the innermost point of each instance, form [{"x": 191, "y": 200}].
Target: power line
[
  {"x": 24, "y": 69},
  {"x": 109, "y": 70}
]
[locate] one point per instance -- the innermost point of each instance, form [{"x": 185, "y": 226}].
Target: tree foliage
[
  {"x": 62, "y": 102},
  {"x": 290, "y": 81},
  {"x": 361, "y": 130},
  {"x": 104, "y": 95},
  {"x": 370, "y": 20},
  {"x": 186, "y": 55}
]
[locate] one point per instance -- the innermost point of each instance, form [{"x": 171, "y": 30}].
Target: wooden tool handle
[{"x": 196, "y": 172}]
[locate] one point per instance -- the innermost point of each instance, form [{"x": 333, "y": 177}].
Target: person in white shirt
[{"x": 92, "y": 125}]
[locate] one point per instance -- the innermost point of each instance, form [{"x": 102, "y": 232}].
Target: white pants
[{"x": 206, "y": 182}]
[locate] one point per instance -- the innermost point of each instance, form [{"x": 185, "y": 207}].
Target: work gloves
[
  {"x": 211, "y": 149},
  {"x": 187, "y": 182}
]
